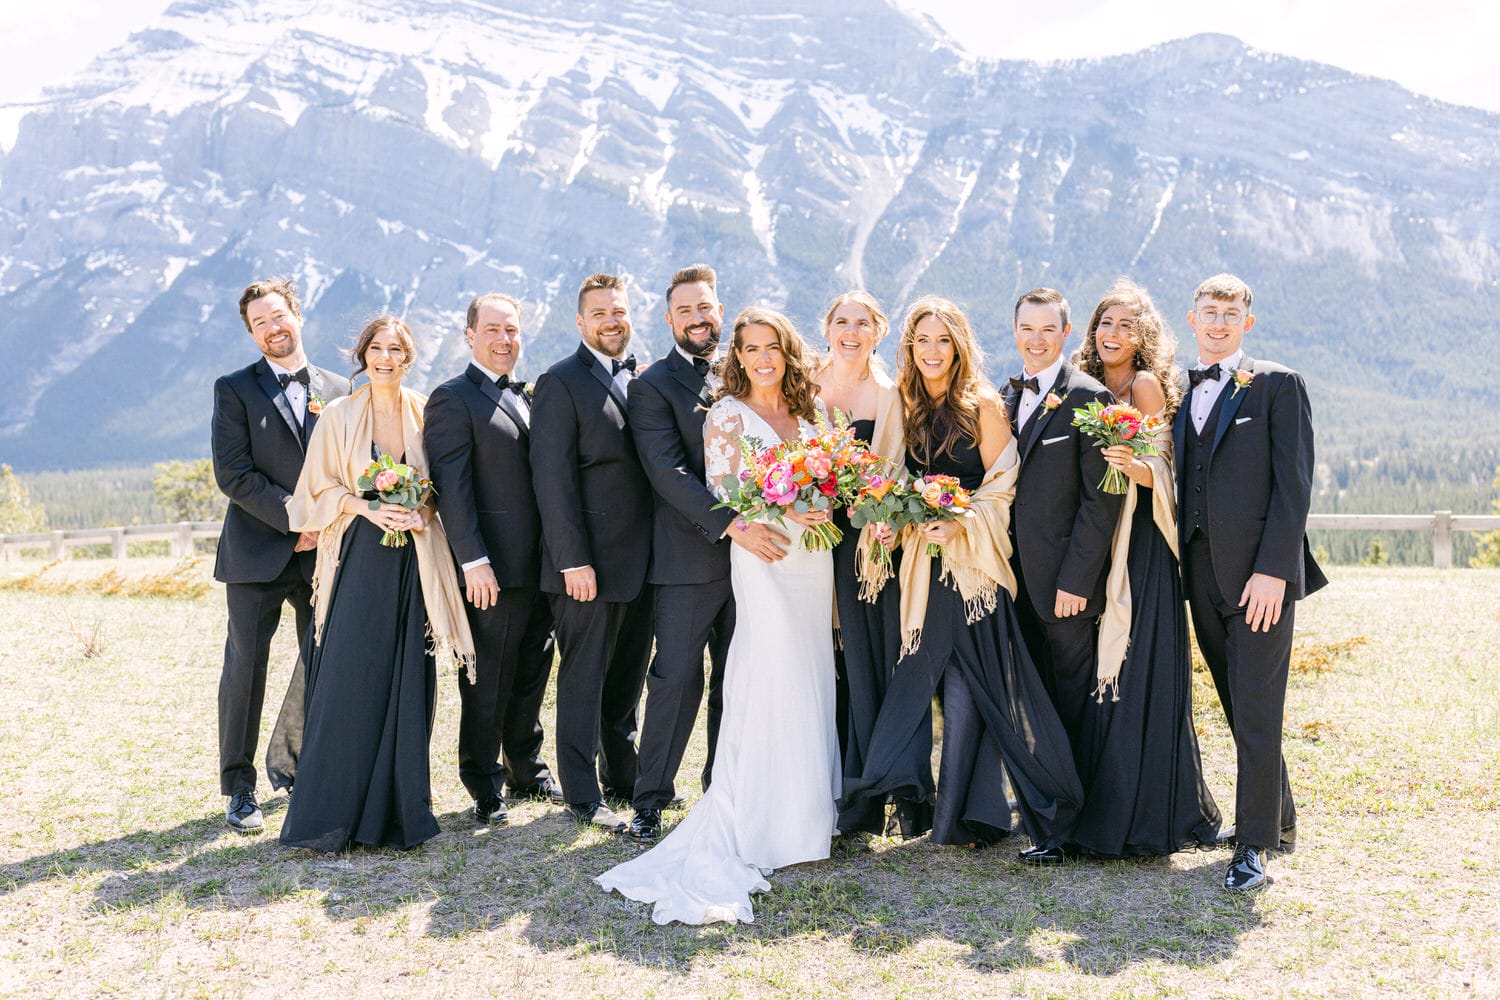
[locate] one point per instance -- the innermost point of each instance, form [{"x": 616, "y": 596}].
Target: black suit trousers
[
  {"x": 254, "y": 614},
  {"x": 603, "y": 648},
  {"x": 687, "y": 618},
  {"x": 1250, "y": 674},
  {"x": 1067, "y": 656},
  {"x": 501, "y": 711}
]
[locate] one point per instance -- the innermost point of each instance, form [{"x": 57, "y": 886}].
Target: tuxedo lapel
[
  {"x": 494, "y": 394},
  {"x": 1182, "y": 426},
  {"x": 272, "y": 388},
  {"x": 1232, "y": 404},
  {"x": 314, "y": 391},
  {"x": 686, "y": 375},
  {"x": 1012, "y": 399},
  {"x": 605, "y": 377}
]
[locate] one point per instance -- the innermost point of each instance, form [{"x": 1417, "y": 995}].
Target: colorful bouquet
[
  {"x": 805, "y": 474},
  {"x": 942, "y": 499},
  {"x": 1118, "y": 423},
  {"x": 883, "y": 499},
  {"x": 397, "y": 483}
]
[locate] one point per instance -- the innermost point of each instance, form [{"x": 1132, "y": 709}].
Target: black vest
[{"x": 1195, "y": 454}]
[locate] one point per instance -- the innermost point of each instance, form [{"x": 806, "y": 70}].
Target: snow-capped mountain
[{"x": 397, "y": 155}]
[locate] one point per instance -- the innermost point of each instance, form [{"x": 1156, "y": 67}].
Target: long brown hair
[
  {"x": 379, "y": 323},
  {"x": 797, "y": 386},
  {"x": 1158, "y": 347},
  {"x": 935, "y": 427}
]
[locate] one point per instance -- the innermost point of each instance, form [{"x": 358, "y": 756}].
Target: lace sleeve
[{"x": 721, "y": 444}]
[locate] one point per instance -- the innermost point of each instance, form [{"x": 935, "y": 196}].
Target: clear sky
[{"x": 1442, "y": 48}]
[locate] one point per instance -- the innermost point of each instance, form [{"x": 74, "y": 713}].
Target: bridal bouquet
[
  {"x": 941, "y": 499},
  {"x": 1118, "y": 423},
  {"x": 398, "y": 483},
  {"x": 806, "y": 474}
]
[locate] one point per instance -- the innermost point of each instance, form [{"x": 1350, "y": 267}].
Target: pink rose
[
  {"x": 386, "y": 480},
  {"x": 818, "y": 464}
]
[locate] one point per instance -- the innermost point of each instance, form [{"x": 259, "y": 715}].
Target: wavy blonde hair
[
  {"x": 1158, "y": 347},
  {"x": 797, "y": 386},
  {"x": 956, "y": 415}
]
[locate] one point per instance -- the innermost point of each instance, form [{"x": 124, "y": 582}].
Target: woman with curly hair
[
  {"x": 1143, "y": 777},
  {"x": 776, "y": 766},
  {"x": 958, "y": 625}
]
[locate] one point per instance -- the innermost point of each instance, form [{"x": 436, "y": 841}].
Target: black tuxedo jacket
[
  {"x": 1064, "y": 523},
  {"x": 257, "y": 455},
  {"x": 668, "y": 404},
  {"x": 481, "y": 468},
  {"x": 594, "y": 498},
  {"x": 1259, "y": 481}
]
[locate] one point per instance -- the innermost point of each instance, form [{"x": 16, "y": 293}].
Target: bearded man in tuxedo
[
  {"x": 1244, "y": 448},
  {"x": 263, "y": 417},
  {"x": 477, "y": 435},
  {"x": 595, "y": 506},
  {"x": 694, "y": 604},
  {"x": 1062, "y": 523}
]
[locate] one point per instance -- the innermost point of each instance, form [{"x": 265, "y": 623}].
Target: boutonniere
[
  {"x": 315, "y": 402},
  {"x": 1052, "y": 402},
  {"x": 1242, "y": 380}
]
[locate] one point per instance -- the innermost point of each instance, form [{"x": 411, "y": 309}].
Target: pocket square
[
  {"x": 1054, "y": 440},
  {"x": 1242, "y": 420}
]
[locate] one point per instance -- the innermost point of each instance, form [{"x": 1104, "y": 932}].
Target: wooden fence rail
[{"x": 1441, "y": 524}]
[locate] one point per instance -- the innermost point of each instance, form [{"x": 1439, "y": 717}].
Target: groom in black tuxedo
[
  {"x": 1062, "y": 523},
  {"x": 595, "y": 504},
  {"x": 262, "y": 420},
  {"x": 1244, "y": 448},
  {"x": 477, "y": 434}
]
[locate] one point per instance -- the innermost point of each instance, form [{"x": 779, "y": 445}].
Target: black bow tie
[
  {"x": 702, "y": 365},
  {"x": 1018, "y": 384},
  {"x": 297, "y": 376},
  {"x": 617, "y": 365},
  {"x": 1196, "y": 375},
  {"x": 517, "y": 386}
]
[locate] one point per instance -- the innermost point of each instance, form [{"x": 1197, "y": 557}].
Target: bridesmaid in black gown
[
  {"x": 853, "y": 383},
  {"x": 999, "y": 726},
  {"x": 1142, "y": 773},
  {"x": 362, "y": 776}
]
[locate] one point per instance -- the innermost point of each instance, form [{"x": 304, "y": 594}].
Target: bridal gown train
[{"x": 776, "y": 769}]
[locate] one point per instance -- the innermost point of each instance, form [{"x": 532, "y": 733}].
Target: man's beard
[{"x": 706, "y": 350}]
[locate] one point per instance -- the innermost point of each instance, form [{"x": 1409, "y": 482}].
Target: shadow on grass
[{"x": 982, "y": 908}]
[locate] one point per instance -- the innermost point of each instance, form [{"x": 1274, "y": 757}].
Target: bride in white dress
[{"x": 776, "y": 769}]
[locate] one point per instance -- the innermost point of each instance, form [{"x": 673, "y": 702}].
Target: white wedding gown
[{"x": 776, "y": 776}]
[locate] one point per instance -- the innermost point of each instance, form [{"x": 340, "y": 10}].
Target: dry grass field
[{"x": 118, "y": 877}]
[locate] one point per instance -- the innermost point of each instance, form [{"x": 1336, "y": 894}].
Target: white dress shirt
[
  {"x": 1208, "y": 391},
  {"x": 623, "y": 377},
  {"x": 295, "y": 392},
  {"x": 493, "y": 376},
  {"x": 1029, "y": 400}
]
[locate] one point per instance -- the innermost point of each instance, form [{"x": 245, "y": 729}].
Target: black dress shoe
[
  {"x": 545, "y": 790},
  {"x": 490, "y": 812},
  {"x": 1044, "y": 857},
  {"x": 1247, "y": 872},
  {"x": 645, "y": 826},
  {"x": 243, "y": 814},
  {"x": 597, "y": 814}
]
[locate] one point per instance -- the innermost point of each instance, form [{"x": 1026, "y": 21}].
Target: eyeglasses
[{"x": 1212, "y": 316}]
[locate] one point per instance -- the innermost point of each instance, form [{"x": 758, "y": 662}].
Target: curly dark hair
[
  {"x": 1158, "y": 347},
  {"x": 797, "y": 386}
]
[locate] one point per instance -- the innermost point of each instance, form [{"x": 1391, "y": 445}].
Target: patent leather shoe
[
  {"x": 243, "y": 814},
  {"x": 645, "y": 826},
  {"x": 1247, "y": 871},
  {"x": 490, "y": 812},
  {"x": 597, "y": 814}
]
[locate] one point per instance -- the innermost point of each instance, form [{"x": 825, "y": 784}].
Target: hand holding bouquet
[
  {"x": 941, "y": 499},
  {"x": 395, "y": 483},
  {"x": 1118, "y": 424},
  {"x": 883, "y": 499},
  {"x": 802, "y": 475}
]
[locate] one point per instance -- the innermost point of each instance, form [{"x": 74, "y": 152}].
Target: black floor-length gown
[
  {"x": 870, "y": 642},
  {"x": 998, "y": 721},
  {"x": 362, "y": 776},
  {"x": 1139, "y": 759}
]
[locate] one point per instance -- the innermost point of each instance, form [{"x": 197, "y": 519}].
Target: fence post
[
  {"x": 58, "y": 550},
  {"x": 182, "y": 540},
  {"x": 1442, "y": 539},
  {"x": 117, "y": 542}
]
